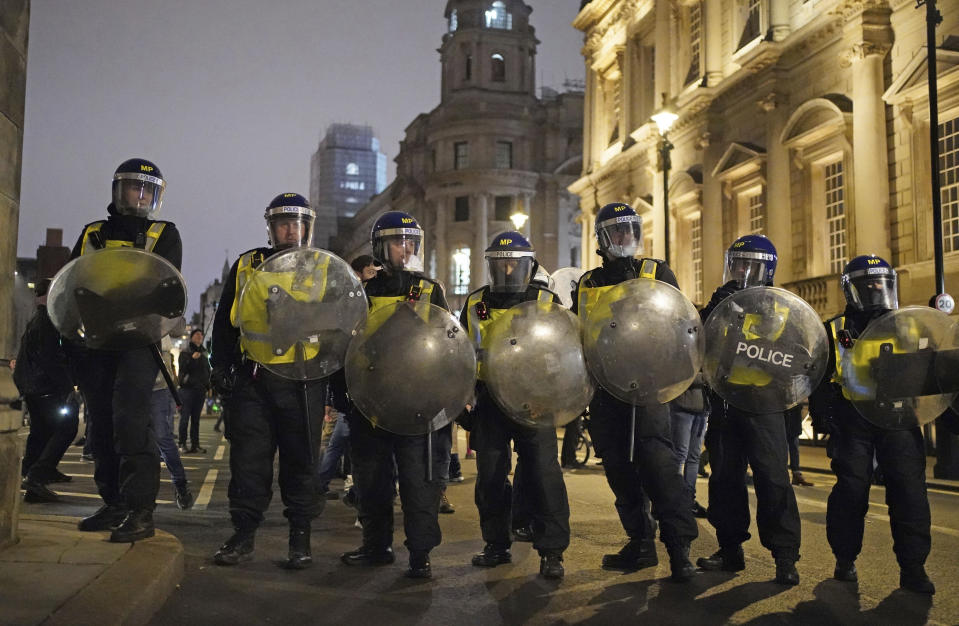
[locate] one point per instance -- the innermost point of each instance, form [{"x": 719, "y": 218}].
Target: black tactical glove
[
  {"x": 223, "y": 381},
  {"x": 824, "y": 404},
  {"x": 723, "y": 292}
]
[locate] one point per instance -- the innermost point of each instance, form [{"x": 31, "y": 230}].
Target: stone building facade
[
  {"x": 489, "y": 149},
  {"x": 805, "y": 120}
]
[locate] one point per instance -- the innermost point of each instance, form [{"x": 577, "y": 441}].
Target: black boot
[
  {"x": 636, "y": 554},
  {"x": 727, "y": 560},
  {"x": 37, "y": 491},
  {"x": 137, "y": 525},
  {"x": 183, "y": 496},
  {"x": 237, "y": 548},
  {"x": 300, "y": 556},
  {"x": 107, "y": 517},
  {"x": 551, "y": 566},
  {"x": 914, "y": 579},
  {"x": 682, "y": 570},
  {"x": 368, "y": 556},
  {"x": 786, "y": 573},
  {"x": 491, "y": 556},
  {"x": 845, "y": 571},
  {"x": 419, "y": 565}
]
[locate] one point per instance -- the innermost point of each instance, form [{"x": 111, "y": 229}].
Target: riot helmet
[
  {"x": 619, "y": 231},
  {"x": 397, "y": 241},
  {"x": 511, "y": 261},
  {"x": 870, "y": 284},
  {"x": 750, "y": 261},
  {"x": 138, "y": 188},
  {"x": 289, "y": 221}
]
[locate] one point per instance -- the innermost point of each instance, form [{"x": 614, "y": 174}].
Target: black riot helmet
[
  {"x": 512, "y": 262},
  {"x": 138, "y": 188},
  {"x": 619, "y": 231},
  {"x": 870, "y": 284},
  {"x": 397, "y": 241},
  {"x": 289, "y": 221}
]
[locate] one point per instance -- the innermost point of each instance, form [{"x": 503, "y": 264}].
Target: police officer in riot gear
[
  {"x": 512, "y": 263},
  {"x": 266, "y": 411},
  {"x": 652, "y": 470},
  {"x": 118, "y": 385},
  {"x": 397, "y": 242},
  {"x": 736, "y": 437},
  {"x": 870, "y": 287}
]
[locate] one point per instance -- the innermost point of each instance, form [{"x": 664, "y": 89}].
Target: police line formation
[{"x": 296, "y": 329}]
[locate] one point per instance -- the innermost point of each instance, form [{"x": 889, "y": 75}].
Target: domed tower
[{"x": 489, "y": 45}]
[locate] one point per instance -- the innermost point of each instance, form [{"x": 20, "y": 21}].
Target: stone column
[
  {"x": 779, "y": 19},
  {"x": 778, "y": 200},
  {"x": 443, "y": 209},
  {"x": 625, "y": 92},
  {"x": 14, "y": 25},
  {"x": 713, "y": 32},
  {"x": 479, "y": 202},
  {"x": 524, "y": 199},
  {"x": 662, "y": 71},
  {"x": 712, "y": 216},
  {"x": 589, "y": 117},
  {"x": 870, "y": 161}
]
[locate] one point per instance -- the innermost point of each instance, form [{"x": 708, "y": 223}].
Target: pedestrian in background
[{"x": 194, "y": 367}]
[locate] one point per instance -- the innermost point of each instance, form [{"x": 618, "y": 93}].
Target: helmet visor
[
  {"x": 872, "y": 292},
  {"x": 747, "y": 272},
  {"x": 137, "y": 194},
  {"x": 620, "y": 237},
  {"x": 509, "y": 274},
  {"x": 403, "y": 252},
  {"x": 290, "y": 230}
]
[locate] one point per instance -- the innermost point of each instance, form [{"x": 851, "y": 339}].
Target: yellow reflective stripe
[
  {"x": 835, "y": 326},
  {"x": 244, "y": 269},
  {"x": 544, "y": 296},
  {"x": 472, "y": 317},
  {"x": 152, "y": 236},
  {"x": 647, "y": 268}
]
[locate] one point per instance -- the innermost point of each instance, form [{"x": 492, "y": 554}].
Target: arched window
[
  {"x": 352, "y": 169},
  {"x": 497, "y": 68},
  {"x": 460, "y": 271},
  {"x": 469, "y": 67},
  {"x": 498, "y": 17}
]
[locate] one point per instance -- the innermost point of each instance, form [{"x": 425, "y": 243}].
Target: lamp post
[
  {"x": 519, "y": 219},
  {"x": 664, "y": 121}
]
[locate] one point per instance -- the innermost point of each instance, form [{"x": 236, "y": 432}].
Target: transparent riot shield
[
  {"x": 643, "y": 342},
  {"x": 116, "y": 299},
  {"x": 565, "y": 280},
  {"x": 298, "y": 311},
  {"x": 535, "y": 367},
  {"x": 890, "y": 374},
  {"x": 766, "y": 349},
  {"x": 411, "y": 368}
]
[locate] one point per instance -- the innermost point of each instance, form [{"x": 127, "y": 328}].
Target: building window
[
  {"x": 461, "y": 155},
  {"x": 504, "y": 155},
  {"x": 498, "y": 17},
  {"x": 696, "y": 245},
  {"x": 835, "y": 215},
  {"x": 433, "y": 159},
  {"x": 502, "y": 207},
  {"x": 949, "y": 183},
  {"x": 757, "y": 217},
  {"x": 352, "y": 169},
  {"x": 460, "y": 276},
  {"x": 497, "y": 68},
  {"x": 695, "y": 43},
  {"x": 461, "y": 210},
  {"x": 751, "y": 20},
  {"x": 453, "y": 21},
  {"x": 469, "y": 67}
]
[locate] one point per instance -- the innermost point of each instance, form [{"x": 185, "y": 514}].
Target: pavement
[{"x": 98, "y": 582}]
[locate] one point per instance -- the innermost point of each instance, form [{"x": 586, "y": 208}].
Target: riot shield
[
  {"x": 565, "y": 280},
  {"x": 643, "y": 342},
  {"x": 116, "y": 299},
  {"x": 542, "y": 341},
  {"x": 298, "y": 311},
  {"x": 766, "y": 349},
  {"x": 411, "y": 368},
  {"x": 890, "y": 374}
]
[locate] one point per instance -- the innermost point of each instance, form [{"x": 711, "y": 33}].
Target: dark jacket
[
  {"x": 693, "y": 400},
  {"x": 131, "y": 228},
  {"x": 42, "y": 366},
  {"x": 615, "y": 271},
  {"x": 194, "y": 372}
]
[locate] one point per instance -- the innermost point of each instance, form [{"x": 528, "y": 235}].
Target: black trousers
[
  {"x": 118, "y": 387},
  {"x": 373, "y": 451},
  {"x": 542, "y": 487},
  {"x": 902, "y": 459},
  {"x": 652, "y": 471},
  {"x": 570, "y": 439},
  {"x": 759, "y": 440},
  {"x": 53, "y": 425},
  {"x": 267, "y": 414},
  {"x": 190, "y": 412}
]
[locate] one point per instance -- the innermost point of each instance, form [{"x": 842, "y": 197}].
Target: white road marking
[
  {"x": 219, "y": 452},
  {"x": 206, "y": 491}
]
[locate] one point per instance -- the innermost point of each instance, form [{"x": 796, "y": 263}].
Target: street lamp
[
  {"x": 518, "y": 218},
  {"x": 664, "y": 121}
]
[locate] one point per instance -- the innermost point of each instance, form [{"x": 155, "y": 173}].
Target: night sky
[{"x": 229, "y": 98}]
